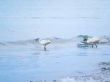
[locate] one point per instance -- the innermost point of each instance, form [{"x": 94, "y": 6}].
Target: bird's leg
[
  {"x": 45, "y": 48},
  {"x": 96, "y": 45}
]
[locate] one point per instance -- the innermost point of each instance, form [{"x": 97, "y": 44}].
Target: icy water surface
[{"x": 25, "y": 63}]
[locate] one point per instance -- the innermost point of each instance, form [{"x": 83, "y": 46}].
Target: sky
[{"x": 29, "y": 19}]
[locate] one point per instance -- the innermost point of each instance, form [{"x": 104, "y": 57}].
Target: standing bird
[
  {"x": 45, "y": 42},
  {"x": 93, "y": 41}
]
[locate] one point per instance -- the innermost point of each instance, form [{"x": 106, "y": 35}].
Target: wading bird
[
  {"x": 45, "y": 42},
  {"x": 93, "y": 41}
]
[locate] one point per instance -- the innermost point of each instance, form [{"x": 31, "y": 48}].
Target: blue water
[
  {"x": 28, "y": 19},
  {"x": 22, "y": 63}
]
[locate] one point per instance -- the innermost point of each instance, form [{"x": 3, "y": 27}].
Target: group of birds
[{"x": 89, "y": 41}]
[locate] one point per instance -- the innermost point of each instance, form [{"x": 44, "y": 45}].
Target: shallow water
[{"x": 22, "y": 63}]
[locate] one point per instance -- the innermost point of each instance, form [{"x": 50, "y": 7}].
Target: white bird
[
  {"x": 45, "y": 42},
  {"x": 93, "y": 41}
]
